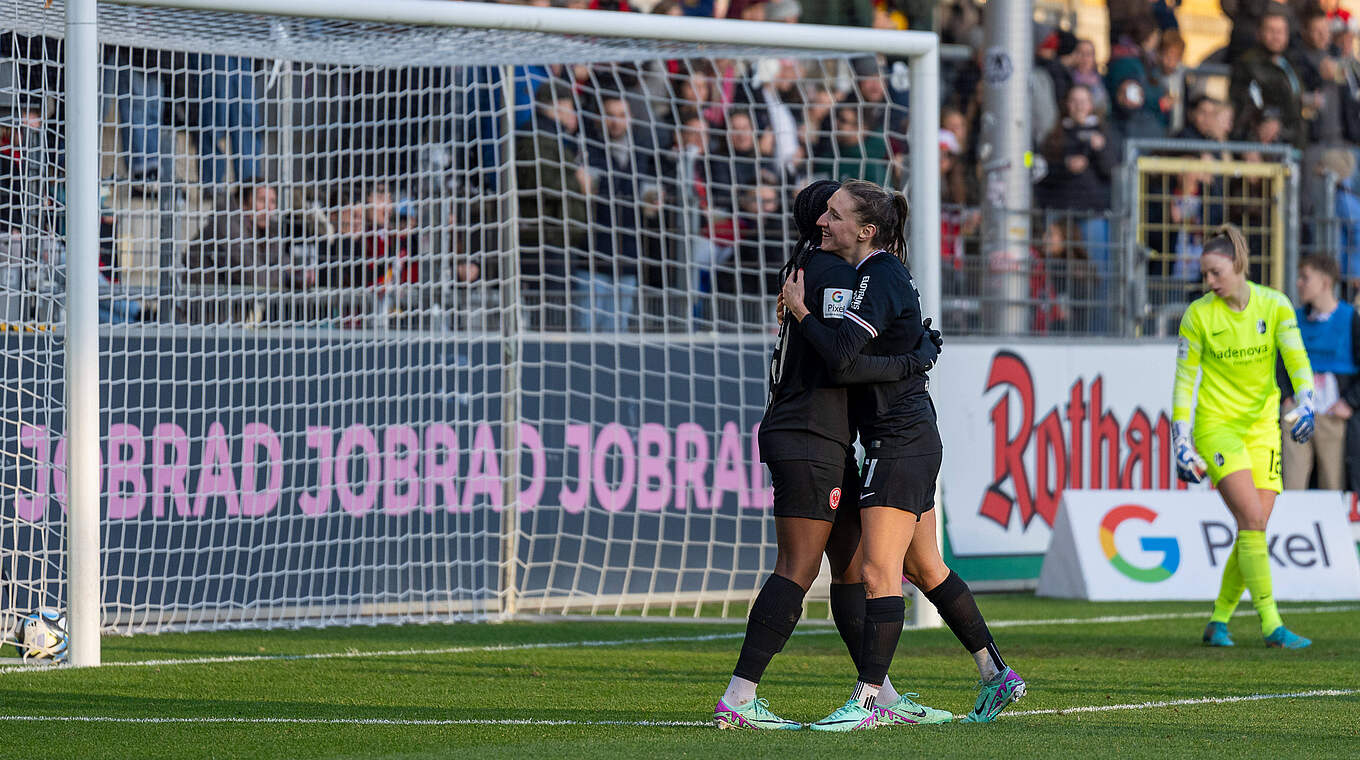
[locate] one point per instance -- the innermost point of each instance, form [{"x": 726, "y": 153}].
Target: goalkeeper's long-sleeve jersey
[{"x": 1236, "y": 352}]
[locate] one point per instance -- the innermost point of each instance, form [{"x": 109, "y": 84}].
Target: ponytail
[
  {"x": 887, "y": 210},
  {"x": 1229, "y": 241}
]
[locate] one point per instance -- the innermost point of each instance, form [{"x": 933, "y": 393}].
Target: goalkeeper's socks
[
  {"x": 883, "y": 619},
  {"x": 957, "y": 607},
  {"x": 1254, "y": 562},
  {"x": 773, "y": 617},
  {"x": 1230, "y": 590},
  {"x": 847, "y": 609}
]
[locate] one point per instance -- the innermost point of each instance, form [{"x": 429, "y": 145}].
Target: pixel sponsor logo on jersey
[{"x": 833, "y": 302}]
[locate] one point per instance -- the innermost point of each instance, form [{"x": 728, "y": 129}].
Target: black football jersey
[
  {"x": 893, "y": 418},
  {"x": 807, "y": 416}
]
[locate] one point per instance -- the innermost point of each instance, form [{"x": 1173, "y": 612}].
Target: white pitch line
[
  {"x": 1179, "y": 702},
  {"x": 351, "y": 654},
  {"x": 630, "y": 723}
]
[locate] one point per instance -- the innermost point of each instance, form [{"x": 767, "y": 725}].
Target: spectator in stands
[
  {"x": 622, "y": 171},
  {"x": 241, "y": 245},
  {"x": 963, "y": 157},
  {"x": 343, "y": 259},
  {"x": 879, "y": 112},
  {"x": 228, "y": 111},
  {"x": 1323, "y": 82},
  {"x": 1246, "y": 17},
  {"x": 1264, "y": 79},
  {"x": 135, "y": 77},
  {"x": 778, "y": 111},
  {"x": 1060, "y": 282},
  {"x": 1169, "y": 75},
  {"x": 552, "y": 183},
  {"x": 1049, "y": 49},
  {"x": 1200, "y": 118},
  {"x": 1125, "y": 14},
  {"x": 957, "y": 220},
  {"x": 1136, "y": 110},
  {"x": 745, "y": 160},
  {"x": 761, "y": 249},
  {"x": 706, "y": 231},
  {"x": 1331, "y": 334},
  {"x": 1080, "y": 158},
  {"x": 1084, "y": 72},
  {"x": 816, "y": 124},
  {"x": 1043, "y": 99},
  {"x": 854, "y": 152},
  {"x": 1339, "y": 163}
]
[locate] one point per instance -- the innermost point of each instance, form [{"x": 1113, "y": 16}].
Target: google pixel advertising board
[{"x": 1146, "y": 545}]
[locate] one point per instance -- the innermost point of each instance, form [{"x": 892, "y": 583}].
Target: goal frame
[{"x": 82, "y": 131}]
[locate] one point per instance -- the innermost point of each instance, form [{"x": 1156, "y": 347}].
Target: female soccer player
[
  {"x": 805, "y": 440},
  {"x": 1231, "y": 336},
  {"x": 863, "y": 224}
]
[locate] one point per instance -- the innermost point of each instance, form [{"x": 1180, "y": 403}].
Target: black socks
[
  {"x": 960, "y": 612},
  {"x": 883, "y": 618},
  {"x": 773, "y": 617}
]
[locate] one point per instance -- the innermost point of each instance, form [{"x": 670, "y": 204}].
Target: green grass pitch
[{"x": 598, "y": 689}]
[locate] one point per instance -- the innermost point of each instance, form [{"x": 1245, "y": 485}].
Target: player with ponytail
[
  {"x": 805, "y": 440},
  {"x": 864, "y": 224},
  {"x": 1229, "y": 340}
]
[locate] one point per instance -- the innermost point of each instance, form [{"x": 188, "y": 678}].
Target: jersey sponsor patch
[
  {"x": 834, "y": 301},
  {"x": 859, "y": 293},
  {"x": 1183, "y": 349}
]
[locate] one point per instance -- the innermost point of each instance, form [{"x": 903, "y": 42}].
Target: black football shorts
[
  {"x": 906, "y": 483},
  {"x": 815, "y": 490}
]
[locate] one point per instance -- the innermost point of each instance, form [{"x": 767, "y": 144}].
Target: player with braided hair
[
  {"x": 805, "y": 439},
  {"x": 895, "y": 420}
]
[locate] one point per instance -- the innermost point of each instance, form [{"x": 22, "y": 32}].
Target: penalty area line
[
  {"x": 494, "y": 648},
  {"x": 627, "y": 723}
]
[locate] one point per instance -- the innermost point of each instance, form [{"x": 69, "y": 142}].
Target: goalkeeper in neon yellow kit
[{"x": 1232, "y": 334}]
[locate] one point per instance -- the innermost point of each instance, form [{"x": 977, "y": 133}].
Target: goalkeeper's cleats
[
  {"x": 851, "y": 716},
  {"x": 994, "y": 695},
  {"x": 754, "y": 715},
  {"x": 1216, "y": 635},
  {"x": 906, "y": 712},
  {"x": 1283, "y": 638},
  {"x": 1300, "y": 418}
]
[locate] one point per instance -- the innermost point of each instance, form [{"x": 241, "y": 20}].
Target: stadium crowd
[{"x": 663, "y": 176}]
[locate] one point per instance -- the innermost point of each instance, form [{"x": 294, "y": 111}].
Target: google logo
[
  {"x": 1171, "y": 551},
  {"x": 837, "y": 296}
]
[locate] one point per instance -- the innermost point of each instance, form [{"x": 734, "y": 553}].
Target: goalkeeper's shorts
[
  {"x": 1227, "y": 449},
  {"x": 816, "y": 490}
]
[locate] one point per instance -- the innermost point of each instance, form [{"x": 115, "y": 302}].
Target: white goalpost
[{"x": 410, "y": 310}]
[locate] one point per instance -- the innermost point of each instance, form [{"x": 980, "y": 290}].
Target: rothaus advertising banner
[
  {"x": 1146, "y": 545},
  {"x": 1022, "y": 424}
]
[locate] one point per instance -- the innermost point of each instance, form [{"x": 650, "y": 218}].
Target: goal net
[{"x": 411, "y": 322}]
